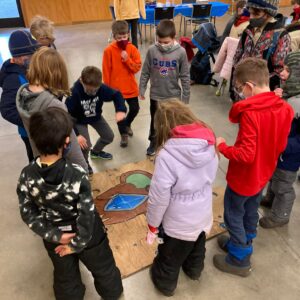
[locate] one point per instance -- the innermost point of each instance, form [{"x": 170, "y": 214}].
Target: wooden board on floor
[{"x": 127, "y": 239}]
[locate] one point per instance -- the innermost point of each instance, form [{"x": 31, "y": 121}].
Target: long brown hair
[
  {"x": 169, "y": 114},
  {"x": 48, "y": 69}
]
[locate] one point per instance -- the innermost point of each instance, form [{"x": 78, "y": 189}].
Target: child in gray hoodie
[{"x": 166, "y": 62}]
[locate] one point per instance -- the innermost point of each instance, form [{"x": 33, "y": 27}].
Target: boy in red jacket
[
  {"x": 264, "y": 123},
  {"x": 121, "y": 61}
]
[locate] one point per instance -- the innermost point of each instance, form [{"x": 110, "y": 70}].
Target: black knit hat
[{"x": 22, "y": 43}]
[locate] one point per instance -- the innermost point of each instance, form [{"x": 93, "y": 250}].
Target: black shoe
[
  {"x": 222, "y": 242},
  {"x": 124, "y": 141},
  {"x": 164, "y": 292},
  {"x": 190, "y": 274},
  {"x": 151, "y": 149},
  {"x": 101, "y": 155}
]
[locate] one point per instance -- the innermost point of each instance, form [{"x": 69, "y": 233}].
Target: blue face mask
[{"x": 66, "y": 149}]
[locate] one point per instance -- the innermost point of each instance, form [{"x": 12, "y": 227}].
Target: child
[
  {"x": 294, "y": 32},
  {"x": 12, "y": 76},
  {"x": 56, "y": 203},
  {"x": 48, "y": 81},
  {"x": 264, "y": 38},
  {"x": 181, "y": 208},
  {"x": 130, "y": 11},
  {"x": 42, "y": 30},
  {"x": 85, "y": 106},
  {"x": 296, "y": 10},
  {"x": 165, "y": 63},
  {"x": 121, "y": 61},
  {"x": 264, "y": 122},
  {"x": 281, "y": 194}
]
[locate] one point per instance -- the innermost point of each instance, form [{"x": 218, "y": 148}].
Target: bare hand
[
  {"x": 120, "y": 116},
  {"x": 278, "y": 92},
  {"x": 66, "y": 238},
  {"x": 220, "y": 140},
  {"x": 124, "y": 55},
  {"x": 82, "y": 142},
  {"x": 141, "y": 97},
  {"x": 63, "y": 250}
]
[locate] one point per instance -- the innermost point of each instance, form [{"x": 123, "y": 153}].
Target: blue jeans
[{"x": 241, "y": 217}]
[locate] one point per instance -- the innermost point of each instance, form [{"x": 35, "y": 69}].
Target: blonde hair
[
  {"x": 48, "y": 69},
  {"x": 41, "y": 27},
  {"x": 169, "y": 114}
]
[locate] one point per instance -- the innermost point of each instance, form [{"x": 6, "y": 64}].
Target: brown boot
[
  {"x": 129, "y": 131},
  {"x": 267, "y": 222},
  {"x": 124, "y": 140}
]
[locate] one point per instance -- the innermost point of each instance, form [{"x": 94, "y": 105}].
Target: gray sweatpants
[
  {"x": 103, "y": 129},
  {"x": 282, "y": 187}
]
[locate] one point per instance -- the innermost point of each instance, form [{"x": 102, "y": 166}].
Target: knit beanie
[
  {"x": 291, "y": 87},
  {"x": 22, "y": 43},
  {"x": 269, "y": 6}
]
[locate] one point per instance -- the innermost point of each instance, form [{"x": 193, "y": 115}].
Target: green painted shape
[{"x": 140, "y": 181}]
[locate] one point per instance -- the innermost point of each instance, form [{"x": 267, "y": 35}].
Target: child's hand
[
  {"x": 124, "y": 55},
  {"x": 278, "y": 92},
  {"x": 63, "y": 250},
  {"x": 219, "y": 141},
  {"x": 66, "y": 238},
  {"x": 120, "y": 116},
  {"x": 141, "y": 97},
  {"x": 151, "y": 235},
  {"x": 82, "y": 142}
]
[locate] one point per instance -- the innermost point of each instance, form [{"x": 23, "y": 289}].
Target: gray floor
[{"x": 26, "y": 271}]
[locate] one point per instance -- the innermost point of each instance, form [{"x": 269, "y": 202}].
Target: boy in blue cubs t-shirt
[{"x": 166, "y": 62}]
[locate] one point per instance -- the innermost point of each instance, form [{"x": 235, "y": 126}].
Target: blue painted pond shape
[{"x": 121, "y": 202}]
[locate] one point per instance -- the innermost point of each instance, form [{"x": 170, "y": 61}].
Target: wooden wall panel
[
  {"x": 89, "y": 10},
  {"x": 56, "y": 10}
]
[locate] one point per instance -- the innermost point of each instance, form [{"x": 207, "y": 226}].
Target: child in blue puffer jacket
[{"x": 281, "y": 194}]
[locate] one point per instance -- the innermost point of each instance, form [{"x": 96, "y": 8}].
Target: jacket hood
[
  {"x": 192, "y": 145},
  {"x": 258, "y": 102},
  {"x": 28, "y": 102},
  {"x": 9, "y": 67},
  {"x": 175, "y": 46}
]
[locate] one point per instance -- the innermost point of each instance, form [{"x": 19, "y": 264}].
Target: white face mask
[{"x": 165, "y": 47}]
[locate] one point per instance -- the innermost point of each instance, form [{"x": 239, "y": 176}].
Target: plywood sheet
[{"x": 127, "y": 238}]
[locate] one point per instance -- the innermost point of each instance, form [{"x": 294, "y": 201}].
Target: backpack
[{"x": 200, "y": 70}]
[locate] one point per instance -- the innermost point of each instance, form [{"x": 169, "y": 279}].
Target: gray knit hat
[
  {"x": 269, "y": 6},
  {"x": 291, "y": 87}
]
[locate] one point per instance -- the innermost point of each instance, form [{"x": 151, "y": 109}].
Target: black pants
[
  {"x": 98, "y": 259},
  {"x": 153, "y": 108},
  {"x": 134, "y": 29},
  {"x": 174, "y": 254},
  {"x": 28, "y": 148},
  {"x": 134, "y": 108}
]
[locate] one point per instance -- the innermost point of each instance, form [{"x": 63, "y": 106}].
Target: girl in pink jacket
[{"x": 180, "y": 196}]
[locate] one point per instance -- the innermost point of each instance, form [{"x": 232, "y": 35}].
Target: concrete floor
[{"x": 26, "y": 271}]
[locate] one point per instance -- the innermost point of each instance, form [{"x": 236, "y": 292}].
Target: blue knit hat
[
  {"x": 269, "y": 6},
  {"x": 22, "y": 43}
]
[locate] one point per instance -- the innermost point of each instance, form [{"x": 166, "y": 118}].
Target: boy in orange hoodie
[{"x": 121, "y": 61}]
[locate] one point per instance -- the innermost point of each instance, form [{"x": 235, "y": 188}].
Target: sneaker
[
  {"x": 221, "y": 264},
  {"x": 124, "y": 140},
  {"x": 101, "y": 155},
  {"x": 129, "y": 131},
  {"x": 151, "y": 149},
  {"x": 267, "y": 222},
  {"x": 222, "y": 242}
]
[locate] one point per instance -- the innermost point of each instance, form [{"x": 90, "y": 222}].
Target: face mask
[
  {"x": 66, "y": 149},
  {"x": 89, "y": 93},
  {"x": 164, "y": 47},
  {"x": 257, "y": 22},
  {"x": 122, "y": 44}
]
